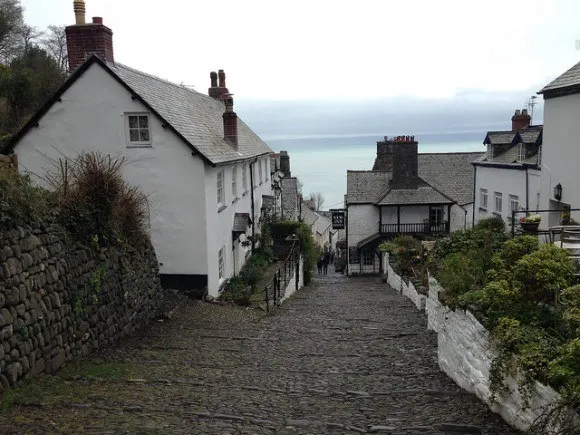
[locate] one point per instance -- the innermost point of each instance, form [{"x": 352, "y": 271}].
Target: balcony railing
[{"x": 420, "y": 228}]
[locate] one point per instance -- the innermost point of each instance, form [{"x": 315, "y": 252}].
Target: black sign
[{"x": 338, "y": 219}]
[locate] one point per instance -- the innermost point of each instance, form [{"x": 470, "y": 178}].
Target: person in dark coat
[
  {"x": 325, "y": 262},
  {"x": 319, "y": 264}
]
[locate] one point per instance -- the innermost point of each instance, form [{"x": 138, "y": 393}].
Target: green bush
[
  {"x": 20, "y": 200},
  {"x": 460, "y": 273}
]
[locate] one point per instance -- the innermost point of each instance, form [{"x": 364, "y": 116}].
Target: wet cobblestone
[{"x": 344, "y": 356}]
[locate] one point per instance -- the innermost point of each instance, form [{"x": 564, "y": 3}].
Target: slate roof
[
  {"x": 241, "y": 222},
  {"x": 450, "y": 173},
  {"x": 196, "y": 118},
  {"x": 568, "y": 79},
  {"x": 424, "y": 194},
  {"x": 322, "y": 223},
  {"x": 500, "y": 137},
  {"x": 510, "y": 141},
  {"x": 309, "y": 217},
  {"x": 364, "y": 187}
]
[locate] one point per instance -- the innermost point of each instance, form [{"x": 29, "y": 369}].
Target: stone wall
[
  {"x": 60, "y": 300},
  {"x": 405, "y": 288},
  {"x": 465, "y": 355}
]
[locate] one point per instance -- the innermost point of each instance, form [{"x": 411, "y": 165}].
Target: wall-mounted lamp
[{"x": 558, "y": 191}]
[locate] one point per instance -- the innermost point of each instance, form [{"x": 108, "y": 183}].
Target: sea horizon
[{"x": 320, "y": 161}]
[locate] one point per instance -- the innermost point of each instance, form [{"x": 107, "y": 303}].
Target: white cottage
[
  {"x": 507, "y": 178},
  {"x": 560, "y": 185},
  {"x": 204, "y": 170}
]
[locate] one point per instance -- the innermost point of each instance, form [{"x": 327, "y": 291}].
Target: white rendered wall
[
  {"x": 561, "y": 151},
  {"x": 363, "y": 221},
  {"x": 91, "y": 118}
]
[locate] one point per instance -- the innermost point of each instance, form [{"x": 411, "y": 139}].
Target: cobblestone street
[{"x": 344, "y": 356}]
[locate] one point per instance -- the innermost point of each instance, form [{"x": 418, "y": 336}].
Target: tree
[
  {"x": 315, "y": 201},
  {"x": 54, "y": 43},
  {"x": 11, "y": 26}
]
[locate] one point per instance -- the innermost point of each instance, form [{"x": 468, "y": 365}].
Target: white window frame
[
  {"x": 222, "y": 263},
  {"x": 514, "y": 203},
  {"x": 521, "y": 152},
  {"x": 220, "y": 189},
  {"x": 497, "y": 196},
  {"x": 235, "y": 182},
  {"x": 245, "y": 177},
  {"x": 137, "y": 143},
  {"x": 483, "y": 199}
]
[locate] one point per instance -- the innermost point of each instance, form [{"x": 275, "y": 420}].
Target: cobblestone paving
[{"x": 344, "y": 356}]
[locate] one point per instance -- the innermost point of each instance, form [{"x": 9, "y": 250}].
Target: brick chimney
[
  {"x": 285, "y": 164},
  {"x": 218, "y": 91},
  {"x": 384, "y": 159},
  {"x": 84, "y": 39},
  {"x": 405, "y": 162},
  {"x": 521, "y": 120},
  {"x": 230, "y": 121}
]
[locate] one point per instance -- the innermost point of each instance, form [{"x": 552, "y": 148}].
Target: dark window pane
[
  {"x": 134, "y": 135},
  {"x": 144, "y": 135},
  {"x": 143, "y": 122},
  {"x": 133, "y": 121}
]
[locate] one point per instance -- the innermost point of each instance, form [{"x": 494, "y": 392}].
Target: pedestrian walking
[
  {"x": 325, "y": 262},
  {"x": 320, "y": 264}
]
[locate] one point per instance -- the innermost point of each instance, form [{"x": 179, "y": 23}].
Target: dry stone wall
[{"x": 60, "y": 300}]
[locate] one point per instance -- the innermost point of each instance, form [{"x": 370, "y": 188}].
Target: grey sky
[{"x": 447, "y": 52}]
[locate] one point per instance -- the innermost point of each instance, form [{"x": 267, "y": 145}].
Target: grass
[{"x": 73, "y": 383}]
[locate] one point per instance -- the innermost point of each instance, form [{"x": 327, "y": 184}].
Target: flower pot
[{"x": 530, "y": 227}]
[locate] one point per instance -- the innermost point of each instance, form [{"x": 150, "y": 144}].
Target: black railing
[
  {"x": 420, "y": 228},
  {"x": 275, "y": 289}
]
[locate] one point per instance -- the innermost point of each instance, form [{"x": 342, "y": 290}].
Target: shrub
[
  {"x": 20, "y": 200},
  {"x": 92, "y": 199},
  {"x": 460, "y": 273}
]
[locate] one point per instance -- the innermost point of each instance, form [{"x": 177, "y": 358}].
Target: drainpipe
[
  {"x": 252, "y": 199},
  {"x": 474, "y": 184},
  {"x": 527, "y": 190},
  {"x": 465, "y": 218}
]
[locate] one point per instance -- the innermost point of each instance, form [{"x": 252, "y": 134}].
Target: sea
[{"x": 320, "y": 161}]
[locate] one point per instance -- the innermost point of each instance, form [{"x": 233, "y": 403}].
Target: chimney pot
[
  {"x": 230, "y": 120},
  {"x": 517, "y": 112},
  {"x": 97, "y": 20},
  {"x": 213, "y": 79},
  {"x": 222, "y": 78},
  {"x": 79, "y": 9},
  {"x": 524, "y": 111}
]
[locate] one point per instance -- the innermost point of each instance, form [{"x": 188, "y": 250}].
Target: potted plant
[{"x": 531, "y": 222}]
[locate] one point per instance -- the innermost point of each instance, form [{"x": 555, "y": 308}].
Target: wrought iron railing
[
  {"x": 275, "y": 289},
  {"x": 418, "y": 228}
]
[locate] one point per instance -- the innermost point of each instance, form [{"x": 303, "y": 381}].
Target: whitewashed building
[
  {"x": 507, "y": 177},
  {"x": 204, "y": 170},
  {"x": 422, "y": 195},
  {"x": 560, "y": 182}
]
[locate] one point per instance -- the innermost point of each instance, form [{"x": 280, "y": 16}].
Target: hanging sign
[{"x": 338, "y": 219}]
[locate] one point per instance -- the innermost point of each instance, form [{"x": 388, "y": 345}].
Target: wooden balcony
[{"x": 419, "y": 228}]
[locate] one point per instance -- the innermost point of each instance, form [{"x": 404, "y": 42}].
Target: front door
[{"x": 436, "y": 217}]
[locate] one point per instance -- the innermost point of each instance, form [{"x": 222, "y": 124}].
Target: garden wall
[
  {"x": 291, "y": 287},
  {"x": 60, "y": 300},
  {"x": 464, "y": 354}
]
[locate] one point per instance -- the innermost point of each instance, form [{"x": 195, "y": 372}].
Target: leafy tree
[
  {"x": 54, "y": 42},
  {"x": 11, "y": 26}
]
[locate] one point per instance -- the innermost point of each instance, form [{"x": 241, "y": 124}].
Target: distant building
[
  {"x": 405, "y": 193},
  {"x": 560, "y": 158},
  {"x": 507, "y": 177}
]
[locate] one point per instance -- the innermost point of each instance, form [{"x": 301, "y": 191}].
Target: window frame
[
  {"x": 221, "y": 263},
  {"x": 514, "y": 199},
  {"x": 128, "y": 129},
  {"x": 220, "y": 191},
  {"x": 260, "y": 171},
  {"x": 235, "y": 182},
  {"x": 245, "y": 178},
  {"x": 496, "y": 196},
  {"x": 368, "y": 258},
  {"x": 438, "y": 212},
  {"x": 483, "y": 199},
  {"x": 521, "y": 152}
]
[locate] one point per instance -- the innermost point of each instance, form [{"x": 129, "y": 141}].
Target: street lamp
[{"x": 558, "y": 192}]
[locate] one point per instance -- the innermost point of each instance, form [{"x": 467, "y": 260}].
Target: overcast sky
[{"x": 453, "y": 51}]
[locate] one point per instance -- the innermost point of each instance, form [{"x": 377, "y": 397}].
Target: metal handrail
[{"x": 275, "y": 289}]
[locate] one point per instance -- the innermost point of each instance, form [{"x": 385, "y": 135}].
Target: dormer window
[
  {"x": 521, "y": 152},
  {"x": 489, "y": 151}
]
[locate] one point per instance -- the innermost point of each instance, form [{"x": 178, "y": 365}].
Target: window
[
  {"x": 260, "y": 171},
  {"x": 244, "y": 178},
  {"x": 483, "y": 199},
  {"x": 436, "y": 215},
  {"x": 220, "y": 188},
  {"x": 138, "y": 129},
  {"x": 489, "y": 151},
  {"x": 498, "y": 202},
  {"x": 514, "y": 203},
  {"x": 521, "y": 152},
  {"x": 368, "y": 258},
  {"x": 235, "y": 182},
  {"x": 221, "y": 263}
]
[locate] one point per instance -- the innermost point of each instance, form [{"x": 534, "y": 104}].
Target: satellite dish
[{"x": 242, "y": 237}]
